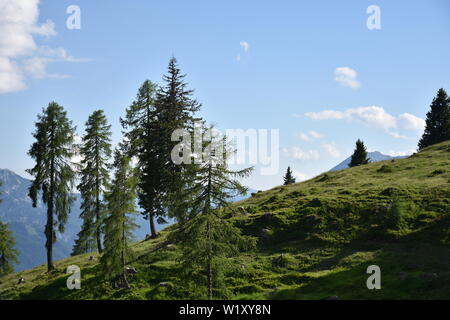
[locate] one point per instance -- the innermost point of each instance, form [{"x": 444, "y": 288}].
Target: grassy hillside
[{"x": 317, "y": 239}]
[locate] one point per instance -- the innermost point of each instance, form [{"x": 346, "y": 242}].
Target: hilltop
[
  {"x": 317, "y": 239},
  {"x": 374, "y": 156}
]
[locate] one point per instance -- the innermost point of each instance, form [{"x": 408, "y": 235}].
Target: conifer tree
[
  {"x": 437, "y": 127},
  {"x": 95, "y": 152},
  {"x": 119, "y": 224},
  {"x": 144, "y": 137},
  {"x": 288, "y": 177},
  {"x": 205, "y": 237},
  {"x": 178, "y": 109},
  {"x": 53, "y": 173},
  {"x": 359, "y": 156},
  {"x": 8, "y": 255}
]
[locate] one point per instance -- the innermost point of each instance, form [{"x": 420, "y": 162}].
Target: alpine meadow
[{"x": 175, "y": 151}]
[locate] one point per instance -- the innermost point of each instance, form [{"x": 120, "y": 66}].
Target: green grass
[{"x": 394, "y": 214}]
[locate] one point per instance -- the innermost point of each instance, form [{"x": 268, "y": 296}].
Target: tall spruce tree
[
  {"x": 8, "y": 254},
  {"x": 437, "y": 127},
  {"x": 178, "y": 109},
  {"x": 119, "y": 224},
  {"x": 53, "y": 172},
  {"x": 359, "y": 156},
  {"x": 289, "y": 177},
  {"x": 144, "y": 135},
  {"x": 95, "y": 152},
  {"x": 205, "y": 237}
]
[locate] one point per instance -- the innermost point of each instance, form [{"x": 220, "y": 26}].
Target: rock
[
  {"x": 265, "y": 233},
  {"x": 131, "y": 270},
  {"x": 21, "y": 280},
  {"x": 332, "y": 298}
]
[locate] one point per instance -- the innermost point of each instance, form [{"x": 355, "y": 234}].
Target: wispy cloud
[
  {"x": 299, "y": 176},
  {"x": 310, "y": 135},
  {"x": 244, "y": 44},
  {"x": 300, "y": 154},
  {"x": 347, "y": 77},
  {"x": 331, "y": 149},
  {"x": 373, "y": 117},
  {"x": 20, "y": 56}
]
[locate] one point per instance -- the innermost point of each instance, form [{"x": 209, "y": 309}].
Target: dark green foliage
[
  {"x": 8, "y": 255},
  {"x": 145, "y": 137},
  {"x": 359, "y": 156},
  {"x": 437, "y": 127},
  {"x": 95, "y": 152},
  {"x": 205, "y": 237},
  {"x": 53, "y": 173},
  {"x": 119, "y": 224},
  {"x": 178, "y": 108},
  {"x": 288, "y": 177}
]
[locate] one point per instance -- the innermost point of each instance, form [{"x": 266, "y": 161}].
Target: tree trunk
[
  {"x": 210, "y": 272},
  {"x": 153, "y": 233},
  {"x": 49, "y": 226},
  {"x": 98, "y": 231},
  {"x": 97, "y": 202},
  {"x": 124, "y": 274}
]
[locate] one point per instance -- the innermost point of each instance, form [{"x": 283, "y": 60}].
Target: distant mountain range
[
  {"x": 27, "y": 223},
  {"x": 373, "y": 156}
]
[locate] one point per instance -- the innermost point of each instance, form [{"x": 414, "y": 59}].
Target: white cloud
[
  {"x": 11, "y": 77},
  {"x": 245, "y": 45},
  {"x": 19, "y": 54},
  {"x": 300, "y": 154},
  {"x": 401, "y": 153},
  {"x": 397, "y": 135},
  {"x": 347, "y": 77},
  {"x": 373, "y": 117},
  {"x": 299, "y": 176},
  {"x": 411, "y": 122},
  {"x": 310, "y": 135},
  {"x": 331, "y": 149},
  {"x": 326, "y": 114}
]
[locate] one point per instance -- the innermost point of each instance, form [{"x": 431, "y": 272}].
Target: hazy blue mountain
[
  {"x": 27, "y": 223},
  {"x": 373, "y": 156}
]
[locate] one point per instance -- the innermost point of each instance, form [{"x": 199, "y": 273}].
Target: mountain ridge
[{"x": 374, "y": 156}]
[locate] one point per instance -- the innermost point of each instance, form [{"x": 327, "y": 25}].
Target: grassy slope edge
[{"x": 317, "y": 239}]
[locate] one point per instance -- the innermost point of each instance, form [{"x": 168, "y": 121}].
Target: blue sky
[{"x": 311, "y": 69}]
